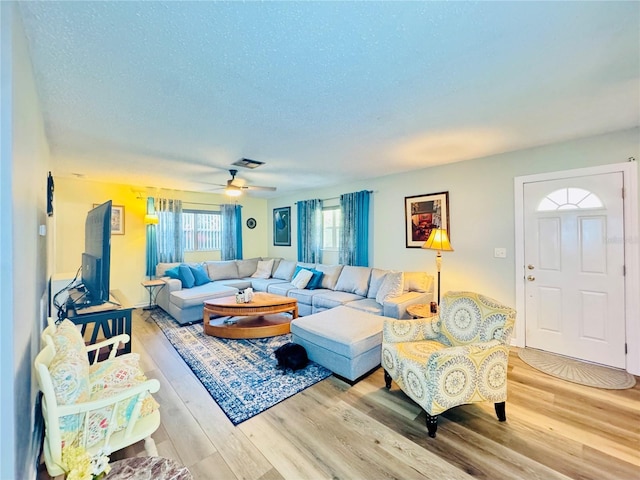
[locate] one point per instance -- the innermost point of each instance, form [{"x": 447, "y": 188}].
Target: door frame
[{"x": 631, "y": 251}]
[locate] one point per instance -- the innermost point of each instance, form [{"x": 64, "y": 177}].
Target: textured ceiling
[{"x": 169, "y": 94}]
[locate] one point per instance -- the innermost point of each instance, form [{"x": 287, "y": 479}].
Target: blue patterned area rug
[{"x": 240, "y": 375}]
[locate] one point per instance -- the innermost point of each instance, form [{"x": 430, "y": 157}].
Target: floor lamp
[{"x": 438, "y": 240}]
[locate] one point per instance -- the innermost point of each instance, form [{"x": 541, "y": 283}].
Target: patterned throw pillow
[
  {"x": 69, "y": 373},
  {"x": 107, "y": 379},
  {"x": 68, "y": 338}
]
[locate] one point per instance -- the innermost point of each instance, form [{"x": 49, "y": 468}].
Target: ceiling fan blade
[{"x": 256, "y": 187}]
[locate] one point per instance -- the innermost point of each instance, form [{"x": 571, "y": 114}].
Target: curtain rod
[
  {"x": 207, "y": 204},
  {"x": 332, "y": 198}
]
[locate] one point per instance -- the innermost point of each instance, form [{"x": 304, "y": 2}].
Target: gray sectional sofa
[{"x": 341, "y": 285}]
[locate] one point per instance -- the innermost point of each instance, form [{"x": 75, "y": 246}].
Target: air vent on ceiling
[{"x": 247, "y": 163}]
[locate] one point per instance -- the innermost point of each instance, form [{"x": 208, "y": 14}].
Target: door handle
[
  {"x": 530, "y": 267},
  {"x": 531, "y": 278}
]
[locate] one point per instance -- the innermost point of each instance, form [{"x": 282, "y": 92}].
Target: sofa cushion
[
  {"x": 368, "y": 305},
  {"x": 263, "y": 269},
  {"x": 392, "y": 286},
  {"x": 239, "y": 283},
  {"x": 416, "y": 282},
  {"x": 377, "y": 277},
  {"x": 247, "y": 267},
  {"x": 354, "y": 280},
  {"x": 199, "y": 274},
  {"x": 280, "y": 288},
  {"x": 301, "y": 278},
  {"x": 334, "y": 299},
  {"x": 189, "y": 297},
  {"x": 222, "y": 270},
  {"x": 285, "y": 270},
  {"x": 262, "y": 284},
  {"x": 345, "y": 331},
  {"x": 305, "y": 296},
  {"x": 330, "y": 275}
]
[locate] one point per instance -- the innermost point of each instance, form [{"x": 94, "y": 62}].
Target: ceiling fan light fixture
[{"x": 233, "y": 191}]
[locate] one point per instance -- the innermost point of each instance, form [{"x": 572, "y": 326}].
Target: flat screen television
[{"x": 96, "y": 259}]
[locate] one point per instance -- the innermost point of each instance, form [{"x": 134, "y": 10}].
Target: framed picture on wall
[
  {"x": 424, "y": 213},
  {"x": 282, "y": 226},
  {"x": 117, "y": 219}
]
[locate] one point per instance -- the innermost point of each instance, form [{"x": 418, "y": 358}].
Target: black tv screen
[{"x": 96, "y": 258}]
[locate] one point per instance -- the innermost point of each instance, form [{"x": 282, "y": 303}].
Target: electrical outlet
[{"x": 500, "y": 252}]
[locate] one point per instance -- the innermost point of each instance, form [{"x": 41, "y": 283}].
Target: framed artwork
[
  {"x": 424, "y": 213},
  {"x": 282, "y": 226},
  {"x": 117, "y": 219}
]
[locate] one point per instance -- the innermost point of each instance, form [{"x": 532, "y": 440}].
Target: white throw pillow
[
  {"x": 416, "y": 282},
  {"x": 302, "y": 278},
  {"x": 391, "y": 287},
  {"x": 264, "y": 269}
]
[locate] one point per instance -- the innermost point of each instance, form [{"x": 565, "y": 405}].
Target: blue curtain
[
  {"x": 152, "y": 244},
  {"x": 169, "y": 231},
  {"x": 231, "y": 248},
  {"x": 309, "y": 230},
  {"x": 354, "y": 241}
]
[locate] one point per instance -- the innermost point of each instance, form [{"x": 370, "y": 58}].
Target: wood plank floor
[{"x": 554, "y": 429}]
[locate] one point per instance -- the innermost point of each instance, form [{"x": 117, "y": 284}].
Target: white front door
[{"x": 574, "y": 267}]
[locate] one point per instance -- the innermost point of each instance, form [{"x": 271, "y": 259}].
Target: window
[
  {"x": 569, "y": 199},
  {"x": 331, "y": 228},
  {"x": 201, "y": 230}
]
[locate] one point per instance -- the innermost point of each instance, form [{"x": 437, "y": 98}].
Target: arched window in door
[{"x": 569, "y": 199}]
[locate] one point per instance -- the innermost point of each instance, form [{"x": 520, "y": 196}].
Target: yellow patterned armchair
[{"x": 459, "y": 356}]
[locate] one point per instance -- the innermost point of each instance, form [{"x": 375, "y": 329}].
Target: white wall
[
  {"x": 25, "y": 160},
  {"x": 481, "y": 209},
  {"x": 76, "y": 196}
]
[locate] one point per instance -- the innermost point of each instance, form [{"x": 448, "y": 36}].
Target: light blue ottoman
[{"x": 344, "y": 340}]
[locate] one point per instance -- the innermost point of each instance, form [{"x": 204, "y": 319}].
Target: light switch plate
[{"x": 500, "y": 252}]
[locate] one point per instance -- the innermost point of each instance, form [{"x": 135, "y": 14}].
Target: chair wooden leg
[
  {"x": 387, "y": 380},
  {"x": 500, "y": 411},
  {"x": 150, "y": 447},
  {"x": 432, "y": 424}
]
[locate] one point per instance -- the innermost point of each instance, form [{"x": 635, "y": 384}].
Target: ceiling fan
[{"x": 234, "y": 188}]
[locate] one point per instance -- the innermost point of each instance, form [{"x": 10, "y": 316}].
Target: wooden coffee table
[{"x": 262, "y": 317}]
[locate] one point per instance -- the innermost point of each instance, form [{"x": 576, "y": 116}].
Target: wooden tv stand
[{"x": 106, "y": 323}]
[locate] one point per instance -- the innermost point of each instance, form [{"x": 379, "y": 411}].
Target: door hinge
[
  {"x": 625, "y": 349},
  {"x": 623, "y": 193},
  {"x": 624, "y": 270}
]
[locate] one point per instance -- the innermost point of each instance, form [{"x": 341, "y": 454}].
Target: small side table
[
  {"x": 154, "y": 287},
  {"x": 420, "y": 310}
]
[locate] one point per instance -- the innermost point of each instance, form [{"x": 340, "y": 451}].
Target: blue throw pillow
[
  {"x": 186, "y": 277},
  {"x": 316, "y": 280},
  {"x": 199, "y": 274},
  {"x": 173, "y": 273}
]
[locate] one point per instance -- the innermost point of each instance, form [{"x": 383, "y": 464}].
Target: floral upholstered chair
[{"x": 459, "y": 356}]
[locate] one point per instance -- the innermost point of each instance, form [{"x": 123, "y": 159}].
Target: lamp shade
[
  {"x": 151, "y": 219},
  {"x": 438, "y": 240}
]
